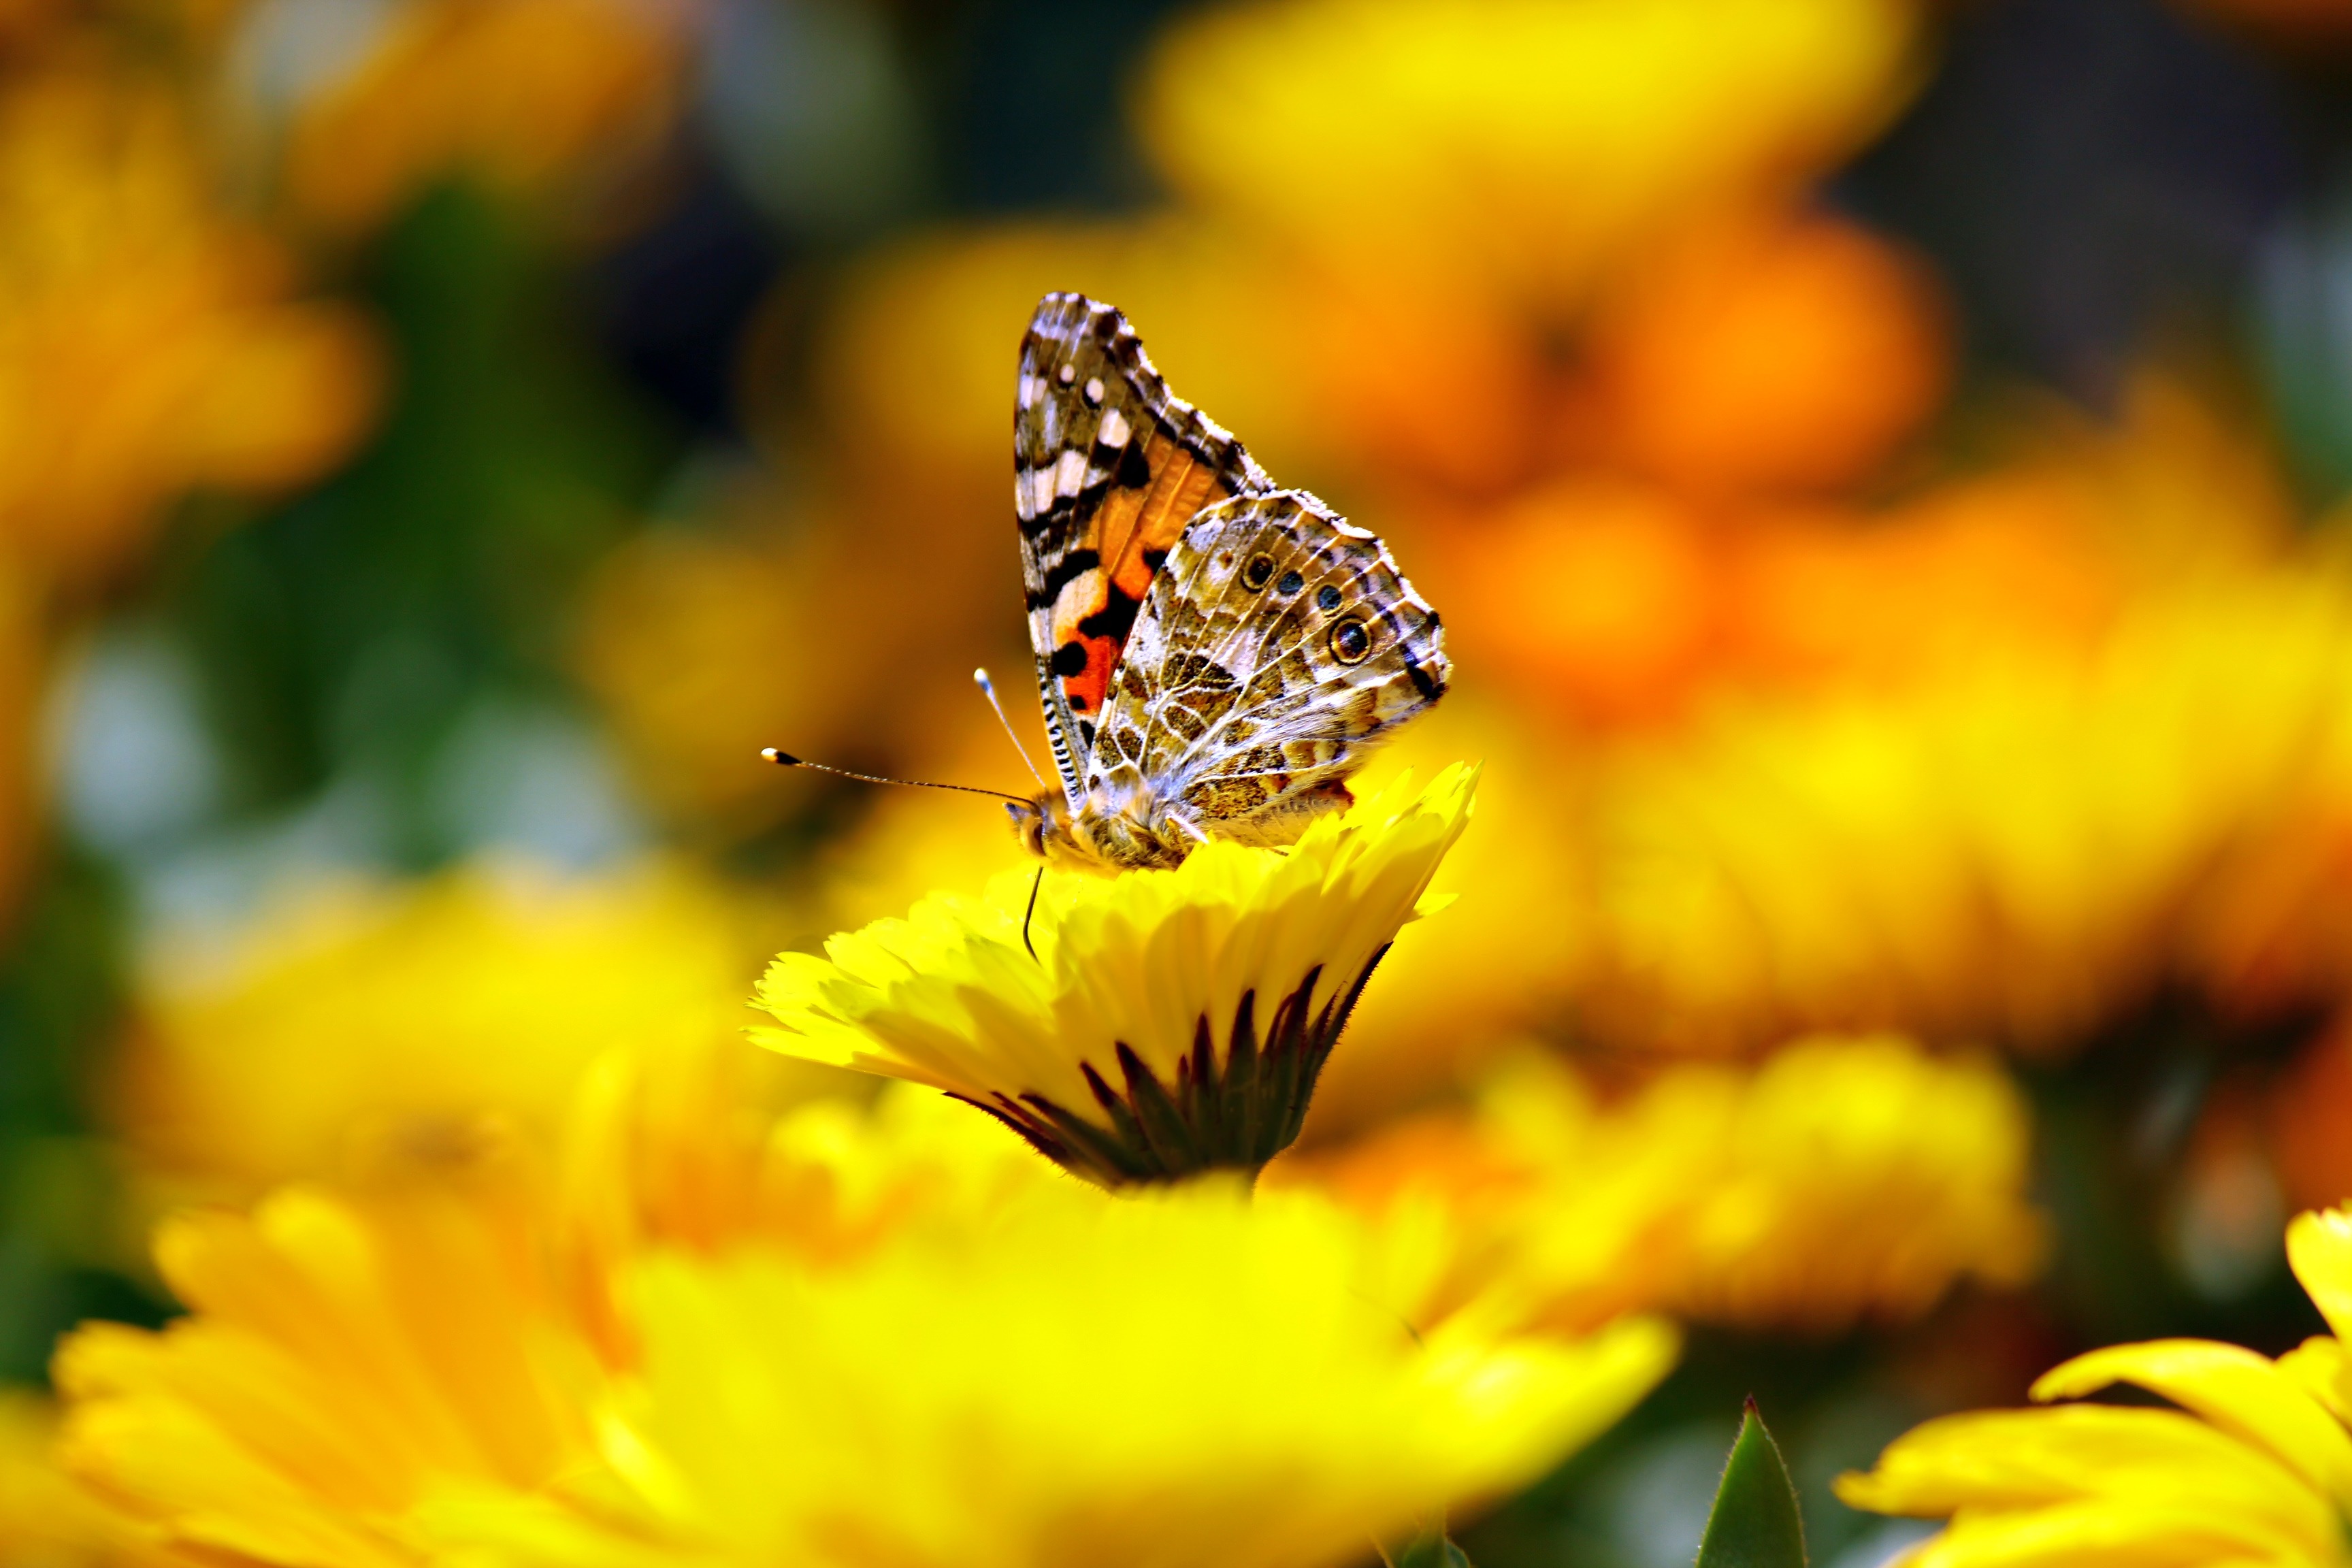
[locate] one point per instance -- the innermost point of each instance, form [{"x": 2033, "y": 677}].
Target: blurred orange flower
[
  {"x": 1758, "y": 358},
  {"x": 523, "y": 95},
  {"x": 1615, "y": 602},
  {"x": 148, "y": 344}
]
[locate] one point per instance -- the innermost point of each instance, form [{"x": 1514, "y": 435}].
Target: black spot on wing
[
  {"x": 1428, "y": 685},
  {"x": 1062, "y": 574},
  {"x": 1114, "y": 620},
  {"x": 1134, "y": 472},
  {"x": 1424, "y": 682}
]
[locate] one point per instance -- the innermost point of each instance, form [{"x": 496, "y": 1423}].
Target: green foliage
[
  {"x": 1754, "y": 1523},
  {"x": 344, "y": 637},
  {"x": 60, "y": 996}
]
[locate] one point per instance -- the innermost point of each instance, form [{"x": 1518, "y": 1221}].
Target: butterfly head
[{"x": 1041, "y": 823}]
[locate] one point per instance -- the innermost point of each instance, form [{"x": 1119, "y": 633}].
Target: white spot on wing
[
  {"x": 1070, "y": 474},
  {"x": 1093, "y": 391},
  {"x": 1114, "y": 431},
  {"x": 1066, "y": 374}
]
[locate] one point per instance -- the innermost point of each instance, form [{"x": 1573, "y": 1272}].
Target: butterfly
[{"x": 1215, "y": 654}]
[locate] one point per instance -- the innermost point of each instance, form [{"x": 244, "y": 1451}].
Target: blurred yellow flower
[
  {"x": 726, "y": 1147},
  {"x": 1515, "y": 147},
  {"x": 50, "y": 1520},
  {"x": 518, "y": 94},
  {"x": 1169, "y": 1021},
  {"x": 393, "y": 1377},
  {"x": 2254, "y": 1467},
  {"x": 2018, "y": 851},
  {"x": 1842, "y": 1180},
  {"x": 1265, "y": 1413},
  {"x": 353, "y": 1019},
  {"x": 148, "y": 344},
  {"x": 348, "y": 1359},
  {"x": 700, "y": 649}
]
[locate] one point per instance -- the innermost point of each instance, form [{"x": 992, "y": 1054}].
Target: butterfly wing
[
  {"x": 1108, "y": 467},
  {"x": 1279, "y": 644}
]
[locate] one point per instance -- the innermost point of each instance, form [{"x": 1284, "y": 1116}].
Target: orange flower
[
  {"x": 1790, "y": 356},
  {"x": 1619, "y": 603},
  {"x": 518, "y": 94},
  {"x": 147, "y": 343}
]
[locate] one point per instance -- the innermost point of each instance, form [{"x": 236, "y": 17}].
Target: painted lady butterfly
[{"x": 1215, "y": 655}]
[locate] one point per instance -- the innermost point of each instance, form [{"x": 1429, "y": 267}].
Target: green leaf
[
  {"x": 1754, "y": 1523},
  {"x": 1436, "y": 1550}
]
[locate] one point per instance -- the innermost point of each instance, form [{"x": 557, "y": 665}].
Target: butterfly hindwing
[
  {"x": 1279, "y": 643},
  {"x": 1108, "y": 468}
]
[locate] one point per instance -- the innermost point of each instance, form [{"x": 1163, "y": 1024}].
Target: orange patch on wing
[
  {"x": 1133, "y": 521},
  {"x": 1088, "y": 688},
  {"x": 1130, "y": 523}
]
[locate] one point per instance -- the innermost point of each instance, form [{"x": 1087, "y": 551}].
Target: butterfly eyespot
[
  {"x": 1326, "y": 597},
  {"x": 1350, "y": 643},
  {"x": 1291, "y": 583},
  {"x": 1258, "y": 572},
  {"x": 1066, "y": 374}
]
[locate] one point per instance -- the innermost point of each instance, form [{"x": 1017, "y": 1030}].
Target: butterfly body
[{"x": 1215, "y": 654}]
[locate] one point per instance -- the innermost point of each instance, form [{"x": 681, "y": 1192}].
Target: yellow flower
[
  {"x": 148, "y": 345},
  {"x": 353, "y": 1018},
  {"x": 346, "y": 1358},
  {"x": 1191, "y": 1379},
  {"x": 2255, "y": 1465},
  {"x": 1842, "y": 1180},
  {"x": 1265, "y": 1412},
  {"x": 2017, "y": 850},
  {"x": 46, "y": 1520},
  {"x": 1169, "y": 1020},
  {"x": 517, "y": 93},
  {"x": 1522, "y": 143}
]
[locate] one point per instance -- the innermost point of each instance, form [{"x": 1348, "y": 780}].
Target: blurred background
[{"x": 1882, "y": 465}]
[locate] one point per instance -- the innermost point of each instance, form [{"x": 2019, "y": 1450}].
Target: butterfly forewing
[
  {"x": 1277, "y": 645},
  {"x": 1108, "y": 468}
]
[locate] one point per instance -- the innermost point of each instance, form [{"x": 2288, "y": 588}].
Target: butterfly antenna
[
  {"x": 988, "y": 690},
  {"x": 786, "y": 759}
]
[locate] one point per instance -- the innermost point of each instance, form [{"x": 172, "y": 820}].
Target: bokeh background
[{"x": 1882, "y": 465}]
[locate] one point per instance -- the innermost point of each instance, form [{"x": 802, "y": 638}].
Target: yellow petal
[
  {"x": 2126, "y": 1460},
  {"x": 2319, "y": 1246},
  {"x": 2098, "y": 1534},
  {"x": 2323, "y": 1369},
  {"x": 2236, "y": 1390}
]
